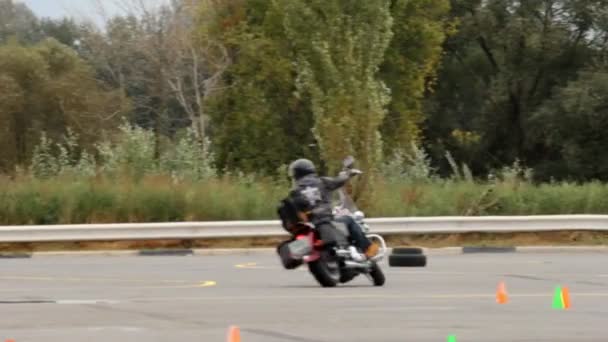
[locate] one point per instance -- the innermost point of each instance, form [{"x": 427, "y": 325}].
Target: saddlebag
[{"x": 291, "y": 252}]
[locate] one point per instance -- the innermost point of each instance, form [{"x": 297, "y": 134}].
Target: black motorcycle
[{"x": 336, "y": 262}]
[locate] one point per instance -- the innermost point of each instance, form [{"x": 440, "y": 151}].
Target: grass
[
  {"x": 160, "y": 198},
  {"x": 151, "y": 199},
  {"x": 447, "y": 198}
]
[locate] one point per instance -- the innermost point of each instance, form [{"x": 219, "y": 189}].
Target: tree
[
  {"x": 12, "y": 101},
  {"x": 48, "y": 88},
  {"x": 155, "y": 53},
  {"x": 339, "y": 47},
  {"x": 572, "y": 128},
  {"x": 196, "y": 64},
  {"x": 507, "y": 59},
  {"x": 410, "y": 65},
  {"x": 18, "y": 21},
  {"x": 132, "y": 55},
  {"x": 65, "y": 31},
  {"x": 257, "y": 122}
]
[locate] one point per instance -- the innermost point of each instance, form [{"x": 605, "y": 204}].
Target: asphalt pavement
[{"x": 197, "y": 298}]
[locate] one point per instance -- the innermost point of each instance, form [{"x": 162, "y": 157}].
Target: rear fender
[{"x": 314, "y": 254}]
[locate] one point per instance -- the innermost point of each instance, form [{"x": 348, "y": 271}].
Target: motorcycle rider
[{"x": 314, "y": 194}]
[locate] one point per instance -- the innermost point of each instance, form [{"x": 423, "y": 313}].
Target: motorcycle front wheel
[
  {"x": 377, "y": 275},
  {"x": 326, "y": 270}
]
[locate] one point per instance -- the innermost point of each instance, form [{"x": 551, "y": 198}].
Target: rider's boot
[
  {"x": 372, "y": 250},
  {"x": 355, "y": 255}
]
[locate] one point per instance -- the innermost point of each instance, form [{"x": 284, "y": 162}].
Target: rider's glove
[{"x": 350, "y": 173}]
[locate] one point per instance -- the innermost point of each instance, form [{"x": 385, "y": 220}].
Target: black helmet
[{"x": 301, "y": 168}]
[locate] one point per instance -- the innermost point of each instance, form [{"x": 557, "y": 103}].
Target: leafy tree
[
  {"x": 410, "y": 65},
  {"x": 572, "y": 127},
  {"x": 152, "y": 52},
  {"x": 48, "y": 88},
  {"x": 65, "y": 31},
  {"x": 507, "y": 59},
  {"x": 339, "y": 48},
  {"x": 17, "y": 21},
  {"x": 261, "y": 97},
  {"x": 257, "y": 122},
  {"x": 132, "y": 55}
]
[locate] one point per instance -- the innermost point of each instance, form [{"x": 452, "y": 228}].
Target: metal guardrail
[{"x": 243, "y": 229}]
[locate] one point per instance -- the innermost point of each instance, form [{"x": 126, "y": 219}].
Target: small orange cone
[
  {"x": 234, "y": 334},
  {"x": 501, "y": 294},
  {"x": 10, "y": 340},
  {"x": 566, "y": 297}
]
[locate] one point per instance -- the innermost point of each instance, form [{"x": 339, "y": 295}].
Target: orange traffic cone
[
  {"x": 501, "y": 294},
  {"x": 234, "y": 334},
  {"x": 566, "y": 297}
]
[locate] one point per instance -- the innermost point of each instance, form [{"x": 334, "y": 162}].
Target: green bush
[{"x": 130, "y": 152}]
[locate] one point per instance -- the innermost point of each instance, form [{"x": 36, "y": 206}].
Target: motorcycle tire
[
  {"x": 407, "y": 260},
  {"x": 407, "y": 250},
  {"x": 377, "y": 275},
  {"x": 324, "y": 272},
  {"x": 347, "y": 275}
]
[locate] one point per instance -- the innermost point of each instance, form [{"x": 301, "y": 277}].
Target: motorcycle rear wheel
[{"x": 326, "y": 270}]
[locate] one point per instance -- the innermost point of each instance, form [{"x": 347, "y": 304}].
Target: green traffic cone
[{"x": 558, "y": 300}]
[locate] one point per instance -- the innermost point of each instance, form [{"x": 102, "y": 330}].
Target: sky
[{"x": 78, "y": 9}]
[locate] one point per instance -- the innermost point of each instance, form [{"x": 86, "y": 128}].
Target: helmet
[{"x": 301, "y": 168}]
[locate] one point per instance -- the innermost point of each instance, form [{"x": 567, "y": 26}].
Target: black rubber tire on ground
[
  {"x": 407, "y": 250},
  {"x": 347, "y": 275},
  {"x": 324, "y": 270},
  {"x": 407, "y": 260},
  {"x": 377, "y": 275}
]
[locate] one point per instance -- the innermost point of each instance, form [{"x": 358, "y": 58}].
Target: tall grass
[
  {"x": 157, "y": 198},
  {"x": 152, "y": 199},
  {"x": 473, "y": 199},
  {"x": 122, "y": 182}
]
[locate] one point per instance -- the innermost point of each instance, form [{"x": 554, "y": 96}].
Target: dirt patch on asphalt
[{"x": 571, "y": 238}]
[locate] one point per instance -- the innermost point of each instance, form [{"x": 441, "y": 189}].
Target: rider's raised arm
[{"x": 334, "y": 183}]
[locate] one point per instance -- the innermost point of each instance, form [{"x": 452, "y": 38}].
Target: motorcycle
[{"x": 339, "y": 261}]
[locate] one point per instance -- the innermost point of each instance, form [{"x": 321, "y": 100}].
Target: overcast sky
[{"x": 78, "y": 9}]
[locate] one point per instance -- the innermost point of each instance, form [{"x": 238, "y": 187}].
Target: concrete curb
[{"x": 270, "y": 251}]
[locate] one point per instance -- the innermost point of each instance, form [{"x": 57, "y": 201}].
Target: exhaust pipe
[
  {"x": 354, "y": 264},
  {"x": 343, "y": 253}
]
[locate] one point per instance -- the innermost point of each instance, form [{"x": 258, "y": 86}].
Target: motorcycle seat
[{"x": 342, "y": 228}]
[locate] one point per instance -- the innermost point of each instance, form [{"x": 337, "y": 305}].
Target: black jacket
[{"x": 313, "y": 194}]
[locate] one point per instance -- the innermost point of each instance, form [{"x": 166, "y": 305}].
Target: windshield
[{"x": 344, "y": 202}]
